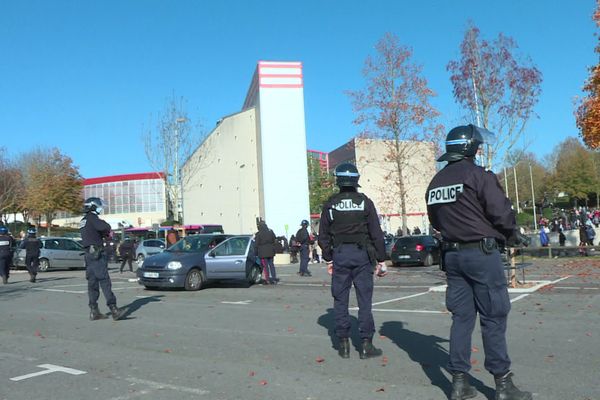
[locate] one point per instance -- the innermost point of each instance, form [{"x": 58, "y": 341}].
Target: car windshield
[{"x": 195, "y": 244}]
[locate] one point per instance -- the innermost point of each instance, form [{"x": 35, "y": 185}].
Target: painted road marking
[
  {"x": 158, "y": 385},
  {"x": 576, "y": 288},
  {"x": 242, "y": 302},
  {"x": 49, "y": 368},
  {"x": 62, "y": 290},
  {"x": 411, "y": 311}
]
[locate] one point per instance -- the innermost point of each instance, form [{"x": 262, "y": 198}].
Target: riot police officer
[
  {"x": 467, "y": 205},
  {"x": 93, "y": 229},
  {"x": 32, "y": 246},
  {"x": 303, "y": 239},
  {"x": 6, "y": 252},
  {"x": 352, "y": 243}
]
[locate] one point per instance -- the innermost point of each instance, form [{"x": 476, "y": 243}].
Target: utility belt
[
  {"x": 361, "y": 241},
  {"x": 487, "y": 245},
  {"x": 95, "y": 251}
]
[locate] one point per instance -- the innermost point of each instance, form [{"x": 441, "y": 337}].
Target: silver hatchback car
[{"x": 56, "y": 252}]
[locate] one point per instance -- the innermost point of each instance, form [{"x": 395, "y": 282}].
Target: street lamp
[{"x": 533, "y": 198}]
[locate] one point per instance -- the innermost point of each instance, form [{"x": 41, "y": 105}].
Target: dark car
[
  {"x": 415, "y": 250},
  {"x": 195, "y": 260}
]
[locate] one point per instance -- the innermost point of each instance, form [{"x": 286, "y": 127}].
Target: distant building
[
  {"x": 378, "y": 178},
  {"x": 253, "y": 164},
  {"x": 131, "y": 199}
]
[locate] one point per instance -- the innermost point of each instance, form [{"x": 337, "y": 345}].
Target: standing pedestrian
[
  {"x": 126, "y": 251},
  {"x": 352, "y": 244},
  {"x": 467, "y": 205},
  {"x": 32, "y": 246},
  {"x": 265, "y": 245},
  {"x": 6, "y": 253},
  {"x": 93, "y": 230},
  {"x": 303, "y": 240}
]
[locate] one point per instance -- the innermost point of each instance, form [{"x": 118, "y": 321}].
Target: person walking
[
  {"x": 32, "y": 246},
  {"x": 303, "y": 240},
  {"x": 352, "y": 244},
  {"x": 93, "y": 230},
  {"x": 126, "y": 251},
  {"x": 6, "y": 253},
  {"x": 265, "y": 245},
  {"x": 467, "y": 205}
]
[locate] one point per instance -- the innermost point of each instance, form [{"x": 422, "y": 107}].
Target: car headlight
[{"x": 174, "y": 265}]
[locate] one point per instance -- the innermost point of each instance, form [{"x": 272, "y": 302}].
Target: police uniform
[
  {"x": 32, "y": 246},
  {"x": 351, "y": 238},
  {"x": 303, "y": 239},
  {"x": 6, "y": 244},
  {"x": 468, "y": 206},
  {"x": 93, "y": 229}
]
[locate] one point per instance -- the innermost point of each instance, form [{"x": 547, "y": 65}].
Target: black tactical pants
[
  {"x": 32, "y": 263},
  {"x": 96, "y": 273},
  {"x": 477, "y": 285},
  {"x": 5, "y": 265},
  {"x": 351, "y": 265}
]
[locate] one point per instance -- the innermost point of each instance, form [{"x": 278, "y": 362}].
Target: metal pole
[
  {"x": 516, "y": 189},
  {"x": 505, "y": 183},
  {"x": 533, "y": 199}
]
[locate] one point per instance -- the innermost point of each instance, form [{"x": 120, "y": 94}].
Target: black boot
[
  {"x": 506, "y": 389},
  {"x": 116, "y": 312},
  {"x": 31, "y": 278},
  {"x": 95, "y": 314},
  {"x": 461, "y": 389},
  {"x": 344, "y": 348},
  {"x": 367, "y": 350}
]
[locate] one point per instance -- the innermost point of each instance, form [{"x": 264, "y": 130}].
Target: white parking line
[
  {"x": 159, "y": 385},
  {"x": 61, "y": 290},
  {"x": 411, "y": 311},
  {"x": 400, "y": 298},
  {"x": 48, "y": 369}
]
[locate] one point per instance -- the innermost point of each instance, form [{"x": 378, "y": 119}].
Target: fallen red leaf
[
  {"x": 291, "y": 330},
  {"x": 168, "y": 351},
  {"x": 475, "y": 349},
  {"x": 588, "y": 333},
  {"x": 263, "y": 382},
  {"x": 319, "y": 359},
  {"x": 474, "y": 362},
  {"x": 381, "y": 389},
  {"x": 251, "y": 373}
]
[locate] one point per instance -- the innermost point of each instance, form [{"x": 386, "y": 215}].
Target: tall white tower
[{"x": 277, "y": 91}]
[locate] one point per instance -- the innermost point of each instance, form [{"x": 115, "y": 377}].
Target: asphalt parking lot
[{"x": 275, "y": 342}]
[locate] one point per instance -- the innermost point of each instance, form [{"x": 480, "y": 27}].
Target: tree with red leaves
[
  {"x": 395, "y": 107},
  {"x": 496, "y": 87},
  {"x": 588, "y": 111}
]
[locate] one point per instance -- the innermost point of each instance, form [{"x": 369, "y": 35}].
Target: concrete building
[
  {"x": 379, "y": 178},
  {"x": 253, "y": 164}
]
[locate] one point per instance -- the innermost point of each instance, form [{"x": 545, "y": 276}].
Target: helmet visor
[{"x": 487, "y": 136}]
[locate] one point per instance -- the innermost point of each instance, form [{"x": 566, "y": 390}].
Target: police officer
[
  {"x": 93, "y": 229},
  {"x": 467, "y": 205},
  {"x": 32, "y": 246},
  {"x": 126, "y": 251},
  {"x": 352, "y": 243},
  {"x": 303, "y": 239},
  {"x": 6, "y": 252}
]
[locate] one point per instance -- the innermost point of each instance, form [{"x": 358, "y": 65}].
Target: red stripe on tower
[{"x": 279, "y": 75}]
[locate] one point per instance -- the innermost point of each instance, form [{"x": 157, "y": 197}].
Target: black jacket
[
  {"x": 93, "y": 229},
  {"x": 265, "y": 242},
  {"x": 32, "y": 246}
]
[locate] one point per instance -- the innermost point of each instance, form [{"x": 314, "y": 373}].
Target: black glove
[{"x": 517, "y": 239}]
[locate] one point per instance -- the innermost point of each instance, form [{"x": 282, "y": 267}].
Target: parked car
[
  {"x": 195, "y": 260},
  {"x": 57, "y": 252},
  {"x": 421, "y": 249},
  {"x": 148, "y": 248}
]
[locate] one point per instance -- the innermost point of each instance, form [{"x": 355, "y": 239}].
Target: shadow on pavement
[
  {"x": 426, "y": 350},
  {"x": 137, "y": 304},
  {"x": 327, "y": 321}
]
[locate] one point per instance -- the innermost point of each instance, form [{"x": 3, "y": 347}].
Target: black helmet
[
  {"x": 464, "y": 141},
  {"x": 3, "y": 230},
  {"x": 93, "y": 204},
  {"x": 304, "y": 222},
  {"x": 346, "y": 174},
  {"x": 31, "y": 231}
]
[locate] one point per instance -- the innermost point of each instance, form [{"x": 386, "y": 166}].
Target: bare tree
[
  {"x": 496, "y": 87},
  {"x": 395, "y": 107},
  {"x": 168, "y": 145}
]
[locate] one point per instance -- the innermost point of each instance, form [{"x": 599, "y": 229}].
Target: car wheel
[
  {"x": 44, "y": 265},
  {"x": 428, "y": 262},
  {"x": 140, "y": 259},
  {"x": 254, "y": 275},
  {"x": 151, "y": 287},
  {"x": 194, "y": 280}
]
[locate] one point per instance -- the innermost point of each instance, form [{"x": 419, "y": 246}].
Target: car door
[
  {"x": 72, "y": 253},
  {"x": 228, "y": 259},
  {"x": 53, "y": 253}
]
